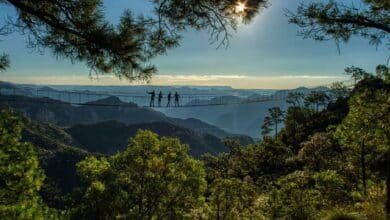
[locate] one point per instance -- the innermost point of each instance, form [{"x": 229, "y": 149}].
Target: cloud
[
  {"x": 235, "y": 81},
  {"x": 248, "y": 82}
]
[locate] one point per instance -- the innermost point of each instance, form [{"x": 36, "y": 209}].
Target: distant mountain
[
  {"x": 107, "y": 124},
  {"x": 65, "y": 114},
  {"x": 59, "y": 149},
  {"x": 112, "y": 136},
  {"x": 58, "y": 154},
  {"x": 112, "y": 100},
  {"x": 238, "y": 115},
  {"x": 215, "y": 101},
  {"x": 234, "y": 118},
  {"x": 10, "y": 88},
  {"x": 107, "y": 109},
  {"x": 202, "y": 127}
]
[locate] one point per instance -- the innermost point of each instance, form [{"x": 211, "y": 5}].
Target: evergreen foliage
[
  {"x": 4, "y": 62},
  {"x": 21, "y": 178},
  {"x": 324, "y": 20},
  {"x": 153, "y": 178},
  {"x": 78, "y": 30},
  {"x": 330, "y": 163}
]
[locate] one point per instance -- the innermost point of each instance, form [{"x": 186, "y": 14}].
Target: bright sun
[{"x": 240, "y": 7}]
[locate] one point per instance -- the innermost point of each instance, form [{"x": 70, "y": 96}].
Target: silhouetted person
[
  {"x": 169, "y": 99},
  {"x": 152, "y": 95},
  {"x": 177, "y": 97},
  {"x": 160, "y": 96}
]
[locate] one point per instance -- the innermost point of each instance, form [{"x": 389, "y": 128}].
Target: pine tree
[
  {"x": 78, "y": 30},
  {"x": 339, "y": 21},
  {"x": 275, "y": 117},
  {"x": 20, "y": 175},
  {"x": 154, "y": 178}
]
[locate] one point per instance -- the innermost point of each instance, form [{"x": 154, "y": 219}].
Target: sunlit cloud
[{"x": 235, "y": 81}]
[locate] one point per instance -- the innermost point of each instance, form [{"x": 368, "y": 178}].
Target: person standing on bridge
[
  {"x": 160, "y": 96},
  {"x": 177, "y": 97},
  {"x": 152, "y": 95},
  {"x": 169, "y": 99}
]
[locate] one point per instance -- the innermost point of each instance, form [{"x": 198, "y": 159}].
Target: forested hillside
[
  {"x": 102, "y": 128},
  {"x": 325, "y": 163},
  {"x": 111, "y": 137},
  {"x": 59, "y": 149},
  {"x": 323, "y": 154},
  {"x": 107, "y": 109}
]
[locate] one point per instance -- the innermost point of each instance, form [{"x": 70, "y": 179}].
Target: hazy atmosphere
[
  {"x": 195, "y": 109},
  {"x": 259, "y": 54}
]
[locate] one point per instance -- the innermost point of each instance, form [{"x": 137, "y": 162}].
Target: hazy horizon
[{"x": 233, "y": 81}]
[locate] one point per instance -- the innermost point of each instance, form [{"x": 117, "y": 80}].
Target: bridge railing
[{"x": 83, "y": 97}]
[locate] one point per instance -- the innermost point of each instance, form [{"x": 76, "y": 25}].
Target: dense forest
[
  {"x": 329, "y": 161},
  {"x": 326, "y": 157}
]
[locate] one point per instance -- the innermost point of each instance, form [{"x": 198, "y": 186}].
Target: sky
[{"x": 266, "y": 54}]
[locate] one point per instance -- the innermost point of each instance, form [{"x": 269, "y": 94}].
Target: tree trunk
[
  {"x": 388, "y": 197},
  {"x": 363, "y": 167},
  {"x": 276, "y": 129},
  {"x": 218, "y": 208}
]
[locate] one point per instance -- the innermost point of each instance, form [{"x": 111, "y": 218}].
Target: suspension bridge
[{"x": 47, "y": 95}]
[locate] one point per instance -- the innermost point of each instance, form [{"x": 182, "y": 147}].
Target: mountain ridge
[{"x": 106, "y": 109}]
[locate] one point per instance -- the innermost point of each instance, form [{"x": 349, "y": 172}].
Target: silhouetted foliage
[
  {"x": 79, "y": 31},
  {"x": 4, "y": 59},
  {"x": 330, "y": 163},
  {"x": 4, "y": 62},
  {"x": 316, "y": 99},
  {"x": 272, "y": 121},
  {"x": 301, "y": 122},
  {"x": 339, "y": 90},
  {"x": 356, "y": 73},
  {"x": 383, "y": 72},
  {"x": 295, "y": 98},
  {"x": 340, "y": 21}
]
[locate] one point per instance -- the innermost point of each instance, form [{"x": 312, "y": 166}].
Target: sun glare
[{"x": 240, "y": 7}]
